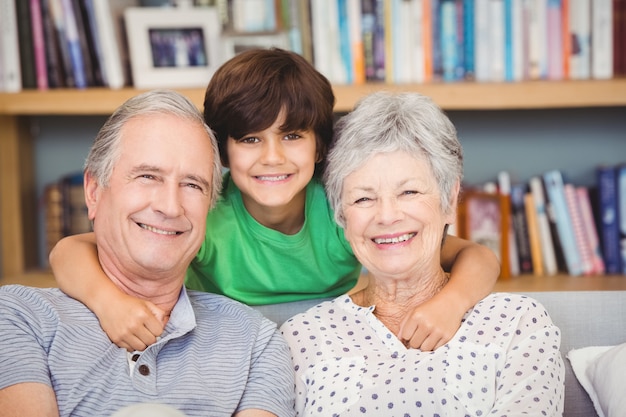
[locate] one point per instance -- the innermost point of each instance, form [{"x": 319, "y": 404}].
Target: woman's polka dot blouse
[{"x": 503, "y": 361}]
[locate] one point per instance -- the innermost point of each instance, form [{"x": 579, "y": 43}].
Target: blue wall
[{"x": 524, "y": 142}]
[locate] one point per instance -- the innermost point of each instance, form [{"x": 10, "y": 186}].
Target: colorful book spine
[
  {"x": 111, "y": 54},
  {"x": 621, "y": 215},
  {"x": 468, "y": 40},
  {"x": 9, "y": 48},
  {"x": 25, "y": 39},
  {"x": 39, "y": 45},
  {"x": 522, "y": 227},
  {"x": 449, "y": 40},
  {"x": 368, "y": 27},
  {"x": 578, "y": 226},
  {"x": 554, "y": 184},
  {"x": 77, "y": 58},
  {"x": 602, "y": 39},
  {"x": 344, "y": 41},
  {"x": 608, "y": 218},
  {"x": 548, "y": 255},
  {"x": 534, "y": 238},
  {"x": 591, "y": 233},
  {"x": 554, "y": 39},
  {"x": 580, "y": 36},
  {"x": 356, "y": 41}
]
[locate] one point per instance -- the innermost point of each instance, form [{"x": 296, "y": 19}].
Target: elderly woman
[{"x": 393, "y": 179}]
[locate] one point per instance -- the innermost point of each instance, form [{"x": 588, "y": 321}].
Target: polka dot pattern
[{"x": 503, "y": 361}]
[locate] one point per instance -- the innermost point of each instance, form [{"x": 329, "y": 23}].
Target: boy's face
[{"x": 272, "y": 168}]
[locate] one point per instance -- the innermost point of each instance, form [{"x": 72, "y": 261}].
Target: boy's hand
[
  {"x": 431, "y": 325},
  {"x": 133, "y": 324}
]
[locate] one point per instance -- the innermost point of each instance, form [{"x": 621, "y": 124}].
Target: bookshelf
[{"x": 18, "y": 205}]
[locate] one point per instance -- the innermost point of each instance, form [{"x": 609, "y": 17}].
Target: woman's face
[{"x": 394, "y": 220}]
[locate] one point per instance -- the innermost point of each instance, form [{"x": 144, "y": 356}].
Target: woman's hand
[{"x": 132, "y": 323}]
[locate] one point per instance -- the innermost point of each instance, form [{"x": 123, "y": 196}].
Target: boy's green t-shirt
[{"x": 256, "y": 265}]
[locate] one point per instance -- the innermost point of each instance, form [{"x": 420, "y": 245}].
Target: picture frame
[
  {"x": 236, "y": 43},
  {"x": 173, "y": 47},
  {"x": 485, "y": 218}
]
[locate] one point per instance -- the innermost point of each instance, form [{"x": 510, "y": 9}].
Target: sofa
[{"x": 586, "y": 318}]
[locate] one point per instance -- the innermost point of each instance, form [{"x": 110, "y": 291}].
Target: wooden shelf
[
  {"x": 450, "y": 96},
  {"x": 18, "y": 206}
]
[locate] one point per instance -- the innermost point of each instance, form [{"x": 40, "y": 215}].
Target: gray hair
[
  {"x": 384, "y": 122},
  {"x": 105, "y": 151}
]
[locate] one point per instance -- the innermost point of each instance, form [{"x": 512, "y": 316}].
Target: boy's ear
[{"x": 91, "y": 194}]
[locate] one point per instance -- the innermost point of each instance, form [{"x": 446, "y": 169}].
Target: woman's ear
[
  {"x": 91, "y": 194},
  {"x": 454, "y": 201}
]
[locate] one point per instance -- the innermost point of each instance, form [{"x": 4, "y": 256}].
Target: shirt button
[
  {"x": 135, "y": 357},
  {"x": 144, "y": 370}
]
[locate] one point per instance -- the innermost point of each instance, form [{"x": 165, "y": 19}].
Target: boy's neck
[{"x": 287, "y": 219}]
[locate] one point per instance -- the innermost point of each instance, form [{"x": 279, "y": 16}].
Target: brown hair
[{"x": 247, "y": 93}]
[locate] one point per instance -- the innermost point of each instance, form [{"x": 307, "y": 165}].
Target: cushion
[{"x": 600, "y": 370}]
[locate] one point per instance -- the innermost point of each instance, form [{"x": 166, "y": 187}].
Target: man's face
[{"x": 150, "y": 221}]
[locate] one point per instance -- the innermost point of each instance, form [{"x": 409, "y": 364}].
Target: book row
[
  {"x": 416, "y": 41},
  {"x": 64, "y": 209},
  {"x": 549, "y": 225},
  {"x": 84, "y": 43}
]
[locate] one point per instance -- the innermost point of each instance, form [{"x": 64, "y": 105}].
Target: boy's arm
[
  {"x": 129, "y": 322},
  {"x": 474, "y": 270}
]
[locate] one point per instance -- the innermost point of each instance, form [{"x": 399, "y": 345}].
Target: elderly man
[{"x": 150, "y": 179}]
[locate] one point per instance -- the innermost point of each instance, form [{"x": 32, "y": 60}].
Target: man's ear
[{"x": 91, "y": 194}]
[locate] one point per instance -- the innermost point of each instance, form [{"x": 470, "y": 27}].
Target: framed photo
[
  {"x": 236, "y": 43},
  {"x": 173, "y": 47},
  {"x": 485, "y": 218}
]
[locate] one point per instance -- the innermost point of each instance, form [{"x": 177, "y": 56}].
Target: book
[
  {"x": 468, "y": 39},
  {"x": 601, "y": 39},
  {"x": 26, "y": 44},
  {"x": 580, "y": 39},
  {"x": 591, "y": 232},
  {"x": 39, "y": 46},
  {"x": 547, "y": 244},
  {"x": 54, "y": 60},
  {"x": 608, "y": 221},
  {"x": 368, "y": 27},
  {"x": 554, "y": 185},
  {"x": 111, "y": 42},
  {"x": 451, "y": 39},
  {"x": 621, "y": 215},
  {"x": 10, "y": 73},
  {"x": 94, "y": 46},
  {"x": 357, "y": 52},
  {"x": 578, "y": 226},
  {"x": 55, "y": 8},
  {"x": 537, "y": 31},
  {"x": 75, "y": 216},
  {"x": 525, "y": 232},
  {"x": 534, "y": 237},
  {"x": 70, "y": 30},
  {"x": 554, "y": 38}
]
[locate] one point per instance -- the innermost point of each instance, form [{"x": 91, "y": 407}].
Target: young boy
[{"x": 271, "y": 237}]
